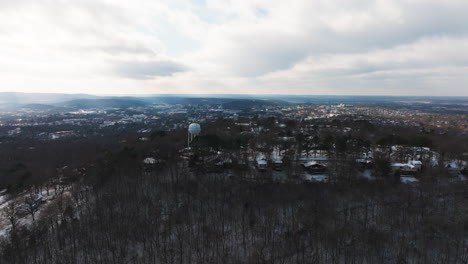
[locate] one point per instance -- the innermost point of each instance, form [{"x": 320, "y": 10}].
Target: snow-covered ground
[
  {"x": 3, "y": 203},
  {"x": 280, "y": 176},
  {"x": 23, "y": 220},
  {"x": 316, "y": 178},
  {"x": 408, "y": 179},
  {"x": 2, "y": 196},
  {"x": 367, "y": 174}
]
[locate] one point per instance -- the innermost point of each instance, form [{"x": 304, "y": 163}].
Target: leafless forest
[{"x": 111, "y": 208}]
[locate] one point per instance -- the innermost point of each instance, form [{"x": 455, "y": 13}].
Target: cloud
[
  {"x": 303, "y": 28},
  {"x": 242, "y": 46},
  {"x": 416, "y": 68},
  {"x": 148, "y": 69}
]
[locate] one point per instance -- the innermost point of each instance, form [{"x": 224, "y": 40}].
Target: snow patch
[
  {"x": 408, "y": 179},
  {"x": 316, "y": 178}
]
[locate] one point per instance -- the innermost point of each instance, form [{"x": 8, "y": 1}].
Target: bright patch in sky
[{"x": 401, "y": 47}]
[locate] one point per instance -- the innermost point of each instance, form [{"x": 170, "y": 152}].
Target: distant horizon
[{"x": 232, "y": 95}]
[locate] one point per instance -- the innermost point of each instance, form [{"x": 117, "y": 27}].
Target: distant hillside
[
  {"x": 248, "y": 104},
  {"x": 228, "y": 103},
  {"x": 12, "y": 98},
  {"x": 185, "y": 100},
  {"x": 37, "y": 107},
  {"x": 104, "y": 103}
]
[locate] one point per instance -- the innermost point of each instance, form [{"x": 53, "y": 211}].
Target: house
[
  {"x": 417, "y": 164},
  {"x": 454, "y": 167},
  {"x": 277, "y": 164},
  {"x": 404, "y": 168},
  {"x": 364, "y": 163},
  {"x": 277, "y": 159},
  {"x": 261, "y": 164},
  {"x": 314, "y": 167}
]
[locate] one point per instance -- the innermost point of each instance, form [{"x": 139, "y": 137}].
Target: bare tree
[
  {"x": 10, "y": 214},
  {"x": 31, "y": 205}
]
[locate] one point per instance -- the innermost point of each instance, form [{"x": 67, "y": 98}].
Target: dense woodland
[{"x": 109, "y": 207}]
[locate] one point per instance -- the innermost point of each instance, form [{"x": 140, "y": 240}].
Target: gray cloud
[
  {"x": 350, "y": 27},
  {"x": 334, "y": 46},
  {"x": 119, "y": 49},
  {"x": 148, "y": 69}
]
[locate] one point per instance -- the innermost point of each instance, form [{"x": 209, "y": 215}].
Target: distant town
[{"x": 64, "y": 152}]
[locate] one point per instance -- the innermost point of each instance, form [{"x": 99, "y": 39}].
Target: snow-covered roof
[
  {"x": 149, "y": 160},
  {"x": 402, "y": 165},
  {"x": 451, "y": 165},
  {"x": 312, "y": 163}
]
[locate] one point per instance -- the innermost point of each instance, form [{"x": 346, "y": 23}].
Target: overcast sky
[{"x": 361, "y": 47}]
